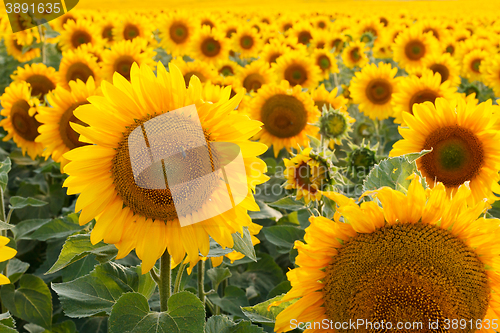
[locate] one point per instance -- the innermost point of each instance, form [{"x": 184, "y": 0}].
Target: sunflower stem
[
  {"x": 336, "y": 80},
  {"x": 178, "y": 277},
  {"x": 42, "y": 49},
  {"x": 165, "y": 277},
  {"x": 201, "y": 281}
]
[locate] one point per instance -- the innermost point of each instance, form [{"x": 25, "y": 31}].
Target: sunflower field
[{"x": 317, "y": 167}]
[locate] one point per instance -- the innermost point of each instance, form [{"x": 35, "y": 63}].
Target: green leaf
[
  {"x": 77, "y": 247},
  {"x": 259, "y": 314},
  {"x": 232, "y": 301},
  {"x": 281, "y": 288},
  {"x": 7, "y": 323},
  {"x": 393, "y": 172},
  {"x": 6, "y": 226},
  {"x": 244, "y": 244},
  {"x": 216, "y": 250},
  {"x": 16, "y": 269},
  {"x": 57, "y": 228},
  {"x": 67, "y": 326},
  {"x": 5, "y": 166},
  {"x": 222, "y": 324},
  {"x": 287, "y": 203},
  {"x": 20, "y": 202},
  {"x": 265, "y": 212},
  {"x": 31, "y": 301},
  {"x": 92, "y": 324},
  {"x": 24, "y": 229},
  {"x": 217, "y": 275},
  {"x": 314, "y": 142},
  {"x": 98, "y": 291},
  {"x": 131, "y": 314},
  {"x": 283, "y": 236}
]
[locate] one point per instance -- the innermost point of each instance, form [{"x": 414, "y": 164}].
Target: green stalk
[
  {"x": 201, "y": 281},
  {"x": 42, "y": 49},
  {"x": 178, "y": 277},
  {"x": 165, "y": 278}
]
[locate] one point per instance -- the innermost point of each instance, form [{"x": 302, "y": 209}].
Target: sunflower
[
  {"x": 56, "y": 134},
  {"x": 272, "y": 51},
  {"x": 230, "y": 28},
  {"x": 322, "y": 97},
  {"x": 203, "y": 71},
  {"x": 122, "y": 55},
  {"x": 209, "y": 45},
  {"x": 416, "y": 258},
  {"x": 491, "y": 72},
  {"x": 227, "y": 67},
  {"x": 373, "y": 89},
  {"x": 434, "y": 27},
  {"x": 131, "y": 27},
  {"x": 301, "y": 32},
  {"x": 354, "y": 55},
  {"x": 326, "y": 61},
  {"x": 305, "y": 173},
  {"x": 176, "y": 32},
  {"x": 42, "y": 79},
  {"x": 130, "y": 211},
  {"x": 255, "y": 75},
  {"x": 449, "y": 45},
  {"x": 287, "y": 113},
  {"x": 445, "y": 65},
  {"x": 19, "y": 109},
  {"x": 246, "y": 42},
  {"x": 78, "y": 65},
  {"x": 414, "y": 90},
  {"x": 63, "y": 19},
  {"x": 6, "y": 253},
  {"x": 412, "y": 46},
  {"x": 298, "y": 69},
  {"x": 208, "y": 19},
  {"x": 14, "y": 47},
  {"x": 369, "y": 25},
  {"x": 320, "y": 38},
  {"x": 95, "y": 50},
  {"x": 105, "y": 26},
  {"x": 471, "y": 66},
  {"x": 335, "y": 125},
  {"x": 77, "y": 33},
  {"x": 337, "y": 42},
  {"x": 217, "y": 91},
  {"x": 464, "y": 143}
]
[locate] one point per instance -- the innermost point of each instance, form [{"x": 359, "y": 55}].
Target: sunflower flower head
[
  {"x": 415, "y": 257},
  {"x": 135, "y": 208},
  {"x": 335, "y": 124},
  {"x": 6, "y": 253},
  {"x": 361, "y": 159},
  {"x": 308, "y": 173}
]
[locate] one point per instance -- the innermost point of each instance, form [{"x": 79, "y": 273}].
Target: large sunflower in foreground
[
  {"x": 19, "y": 109},
  {"x": 55, "y": 130},
  {"x": 297, "y": 68},
  {"x": 287, "y": 114},
  {"x": 6, "y": 253},
  {"x": 464, "y": 145},
  {"x": 41, "y": 78},
  {"x": 414, "y": 90},
  {"x": 131, "y": 214},
  {"x": 203, "y": 71},
  {"x": 415, "y": 258},
  {"x": 373, "y": 89}
]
